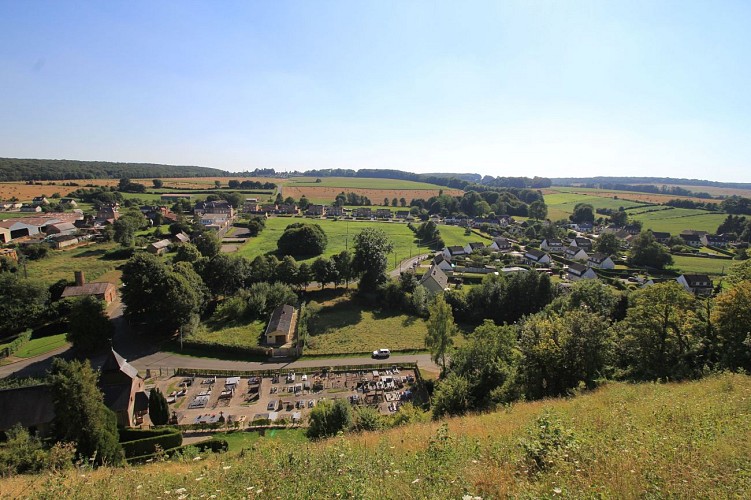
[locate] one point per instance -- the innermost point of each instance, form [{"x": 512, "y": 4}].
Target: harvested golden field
[
  {"x": 327, "y": 194},
  {"x": 25, "y": 192}
]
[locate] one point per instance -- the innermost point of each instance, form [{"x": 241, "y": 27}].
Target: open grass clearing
[
  {"x": 239, "y": 440},
  {"x": 340, "y": 235},
  {"x": 61, "y": 264},
  {"x": 701, "y": 265},
  {"x": 344, "y": 326},
  {"x": 230, "y": 335}
]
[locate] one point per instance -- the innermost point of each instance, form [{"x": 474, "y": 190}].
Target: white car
[{"x": 381, "y": 354}]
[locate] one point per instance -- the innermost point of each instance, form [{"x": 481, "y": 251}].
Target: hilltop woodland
[{"x": 18, "y": 169}]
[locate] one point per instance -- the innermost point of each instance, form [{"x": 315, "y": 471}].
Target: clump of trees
[{"x": 301, "y": 239}]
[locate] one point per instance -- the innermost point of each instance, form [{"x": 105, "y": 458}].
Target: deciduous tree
[{"x": 441, "y": 330}]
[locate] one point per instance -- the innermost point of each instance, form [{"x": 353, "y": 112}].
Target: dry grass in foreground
[{"x": 622, "y": 441}]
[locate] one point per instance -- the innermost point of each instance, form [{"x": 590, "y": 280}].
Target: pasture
[
  {"x": 675, "y": 220},
  {"x": 61, "y": 264},
  {"x": 701, "y": 265},
  {"x": 561, "y": 201},
  {"x": 340, "y": 235}
]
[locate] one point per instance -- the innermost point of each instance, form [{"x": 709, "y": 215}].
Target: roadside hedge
[
  {"x": 16, "y": 344},
  {"x": 127, "y": 435},
  {"x": 147, "y": 446},
  {"x": 213, "y": 445},
  {"x": 221, "y": 349}
]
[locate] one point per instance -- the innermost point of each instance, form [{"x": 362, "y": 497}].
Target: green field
[
  {"x": 61, "y": 264},
  {"x": 35, "y": 347},
  {"x": 359, "y": 182},
  {"x": 675, "y": 220},
  {"x": 340, "y": 235},
  {"x": 561, "y": 204},
  {"x": 700, "y": 265},
  {"x": 345, "y": 327}
]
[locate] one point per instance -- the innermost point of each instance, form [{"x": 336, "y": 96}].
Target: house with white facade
[{"x": 600, "y": 261}]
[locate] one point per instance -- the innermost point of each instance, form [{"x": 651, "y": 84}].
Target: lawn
[
  {"x": 345, "y": 327},
  {"x": 247, "y": 335},
  {"x": 239, "y": 440},
  {"x": 61, "y": 264},
  {"x": 35, "y": 347},
  {"x": 701, "y": 265},
  {"x": 340, "y": 235}
]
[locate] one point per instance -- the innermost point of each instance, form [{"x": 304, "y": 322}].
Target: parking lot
[{"x": 284, "y": 397}]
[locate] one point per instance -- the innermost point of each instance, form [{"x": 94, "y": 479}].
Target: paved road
[{"x": 171, "y": 360}]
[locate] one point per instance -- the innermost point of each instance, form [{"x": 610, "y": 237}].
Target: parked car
[{"x": 381, "y": 354}]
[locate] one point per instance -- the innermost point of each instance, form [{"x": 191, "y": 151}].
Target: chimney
[{"x": 80, "y": 278}]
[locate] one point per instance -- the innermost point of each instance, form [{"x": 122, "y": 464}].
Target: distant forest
[
  {"x": 602, "y": 182},
  {"x": 19, "y": 169}
]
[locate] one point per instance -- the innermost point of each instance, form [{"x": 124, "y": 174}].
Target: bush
[
  {"x": 548, "y": 443},
  {"x": 149, "y": 445}
]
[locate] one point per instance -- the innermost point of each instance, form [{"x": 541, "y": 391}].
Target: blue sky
[{"x": 549, "y": 88}]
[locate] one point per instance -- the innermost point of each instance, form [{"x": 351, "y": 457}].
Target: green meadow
[{"x": 341, "y": 235}]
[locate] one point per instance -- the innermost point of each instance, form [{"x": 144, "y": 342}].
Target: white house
[
  {"x": 575, "y": 253},
  {"x": 453, "y": 251},
  {"x": 578, "y": 272},
  {"x": 698, "y": 284},
  {"x": 552, "y": 245},
  {"x": 600, "y": 261},
  {"x": 715, "y": 240},
  {"x": 535, "y": 257},
  {"x": 442, "y": 262},
  {"x": 501, "y": 244},
  {"x": 473, "y": 246},
  {"x": 583, "y": 243}
]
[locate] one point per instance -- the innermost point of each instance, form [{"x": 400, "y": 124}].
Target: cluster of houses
[
  {"x": 252, "y": 206},
  {"x": 582, "y": 263},
  {"x": 37, "y": 205}
]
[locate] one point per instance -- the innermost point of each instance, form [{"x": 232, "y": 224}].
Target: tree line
[{"x": 22, "y": 169}]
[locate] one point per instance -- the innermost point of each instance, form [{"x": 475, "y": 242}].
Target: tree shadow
[
  {"x": 90, "y": 253},
  {"x": 339, "y": 315}
]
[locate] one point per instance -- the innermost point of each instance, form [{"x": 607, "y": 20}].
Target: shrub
[{"x": 548, "y": 442}]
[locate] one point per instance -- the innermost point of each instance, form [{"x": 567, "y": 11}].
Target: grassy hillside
[{"x": 622, "y": 441}]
